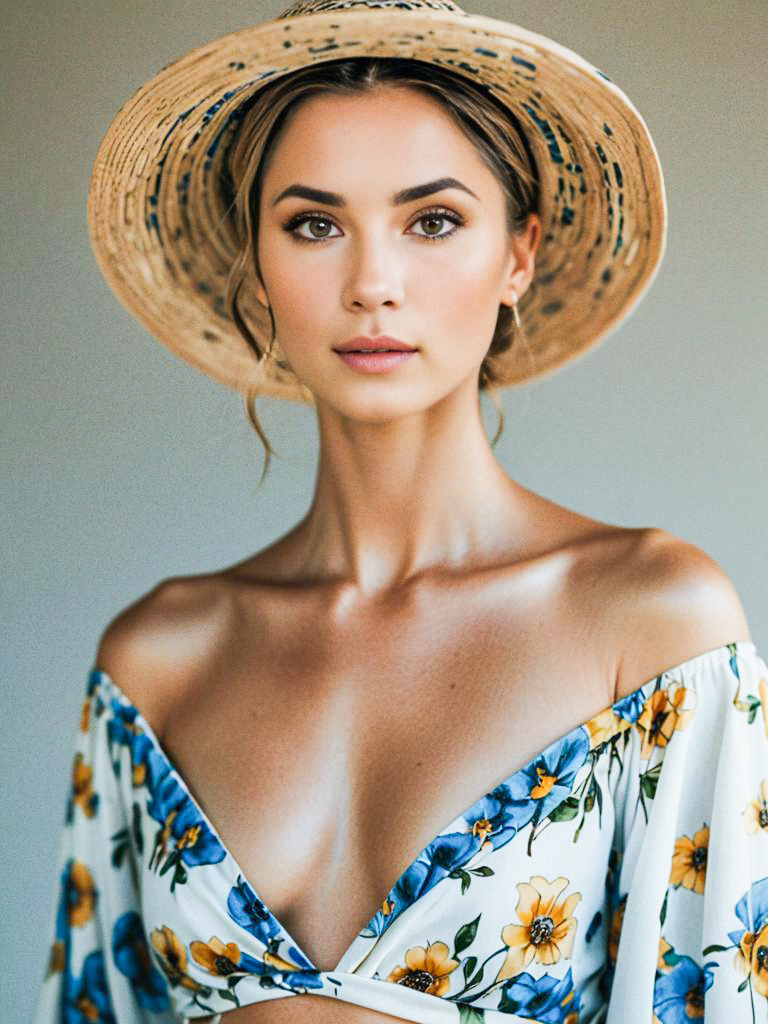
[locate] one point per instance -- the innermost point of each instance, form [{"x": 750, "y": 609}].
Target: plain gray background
[{"x": 121, "y": 465}]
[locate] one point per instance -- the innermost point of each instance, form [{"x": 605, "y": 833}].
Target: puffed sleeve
[
  {"x": 99, "y": 968},
  {"x": 689, "y": 936}
]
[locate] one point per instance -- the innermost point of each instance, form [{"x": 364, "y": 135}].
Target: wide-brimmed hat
[{"x": 160, "y": 219}]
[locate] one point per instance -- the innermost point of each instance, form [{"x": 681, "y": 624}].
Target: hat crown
[{"x": 317, "y": 6}]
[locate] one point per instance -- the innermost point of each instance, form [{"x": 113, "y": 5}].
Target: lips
[{"x": 381, "y": 343}]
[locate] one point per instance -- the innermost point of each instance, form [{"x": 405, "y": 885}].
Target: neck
[{"x": 396, "y": 500}]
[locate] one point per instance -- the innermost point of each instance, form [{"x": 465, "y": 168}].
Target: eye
[
  {"x": 437, "y": 214},
  {"x": 308, "y": 218}
]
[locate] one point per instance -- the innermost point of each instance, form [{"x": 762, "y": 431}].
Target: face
[{"x": 429, "y": 271}]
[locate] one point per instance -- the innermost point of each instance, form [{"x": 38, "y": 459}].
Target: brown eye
[
  {"x": 325, "y": 225},
  {"x": 313, "y": 219},
  {"x": 432, "y": 218},
  {"x": 437, "y": 216}
]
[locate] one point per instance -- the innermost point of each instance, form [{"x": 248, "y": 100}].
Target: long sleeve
[
  {"x": 690, "y": 922},
  {"x": 99, "y": 968}
]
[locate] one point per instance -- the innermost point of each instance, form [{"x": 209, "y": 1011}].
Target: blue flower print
[
  {"x": 148, "y": 766},
  {"x": 678, "y": 997},
  {"x": 497, "y": 817},
  {"x": 171, "y": 806},
  {"x": 435, "y": 862},
  {"x": 548, "y": 1000},
  {"x": 181, "y": 820},
  {"x": 247, "y": 910},
  {"x": 630, "y": 707},
  {"x": 548, "y": 779},
  {"x": 87, "y": 1000},
  {"x": 306, "y": 977},
  {"x": 758, "y": 919},
  {"x": 130, "y": 952}
]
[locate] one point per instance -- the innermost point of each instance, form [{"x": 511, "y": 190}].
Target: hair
[{"x": 486, "y": 122}]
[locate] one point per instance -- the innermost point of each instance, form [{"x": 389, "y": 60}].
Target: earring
[{"x": 515, "y": 314}]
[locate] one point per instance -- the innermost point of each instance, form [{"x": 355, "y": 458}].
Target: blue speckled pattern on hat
[{"x": 158, "y": 204}]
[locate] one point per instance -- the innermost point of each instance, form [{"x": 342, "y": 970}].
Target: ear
[{"x": 522, "y": 261}]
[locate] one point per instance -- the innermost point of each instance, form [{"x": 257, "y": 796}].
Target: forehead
[{"x": 391, "y": 130}]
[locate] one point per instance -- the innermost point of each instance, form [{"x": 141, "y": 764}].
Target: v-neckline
[{"x": 689, "y": 664}]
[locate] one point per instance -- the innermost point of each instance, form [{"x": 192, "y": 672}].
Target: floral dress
[{"x": 621, "y": 876}]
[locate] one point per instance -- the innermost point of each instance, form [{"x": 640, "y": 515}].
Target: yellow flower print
[
  {"x": 273, "y": 960},
  {"x": 173, "y": 957},
  {"x": 604, "y": 727},
  {"x": 88, "y": 1009},
  {"x": 215, "y": 956},
  {"x": 763, "y": 688},
  {"x": 387, "y": 906},
  {"x": 573, "y": 1016},
  {"x": 617, "y": 920},
  {"x": 82, "y": 894},
  {"x": 663, "y": 712},
  {"x": 544, "y": 784},
  {"x": 58, "y": 958},
  {"x": 756, "y": 812},
  {"x": 547, "y": 930},
  {"x": 426, "y": 970},
  {"x": 664, "y": 947},
  {"x": 85, "y": 715},
  {"x": 82, "y": 785},
  {"x": 483, "y": 827},
  {"x": 689, "y": 861},
  {"x": 163, "y": 836},
  {"x": 752, "y": 958}
]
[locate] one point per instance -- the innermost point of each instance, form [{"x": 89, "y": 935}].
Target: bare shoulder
[
  {"x": 155, "y": 647},
  {"x": 674, "y": 602}
]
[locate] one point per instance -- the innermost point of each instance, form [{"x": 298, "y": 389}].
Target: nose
[{"x": 374, "y": 277}]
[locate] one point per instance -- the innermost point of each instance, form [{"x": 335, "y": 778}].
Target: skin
[
  {"x": 417, "y": 429},
  {"x": 513, "y": 618}
]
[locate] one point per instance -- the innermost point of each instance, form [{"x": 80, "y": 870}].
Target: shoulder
[
  {"x": 674, "y": 602},
  {"x": 156, "y": 646}
]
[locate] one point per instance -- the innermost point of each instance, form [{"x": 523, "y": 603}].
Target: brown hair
[{"x": 488, "y": 124}]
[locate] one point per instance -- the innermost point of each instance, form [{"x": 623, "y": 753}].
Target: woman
[{"x": 446, "y": 750}]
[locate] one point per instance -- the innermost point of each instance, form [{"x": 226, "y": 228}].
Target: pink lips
[
  {"x": 381, "y": 341},
  {"x": 376, "y": 362},
  {"x": 394, "y": 352}
]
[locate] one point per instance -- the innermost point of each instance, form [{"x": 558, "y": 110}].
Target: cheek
[
  {"x": 466, "y": 291},
  {"x": 298, "y": 294}
]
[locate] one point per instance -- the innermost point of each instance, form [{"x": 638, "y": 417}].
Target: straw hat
[{"x": 162, "y": 233}]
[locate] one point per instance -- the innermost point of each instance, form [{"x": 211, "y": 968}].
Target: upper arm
[
  {"x": 158, "y": 644},
  {"x": 676, "y": 603}
]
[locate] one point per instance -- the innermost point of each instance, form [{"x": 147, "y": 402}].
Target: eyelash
[{"x": 303, "y": 218}]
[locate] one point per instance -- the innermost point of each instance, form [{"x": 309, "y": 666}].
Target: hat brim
[{"x": 164, "y": 240}]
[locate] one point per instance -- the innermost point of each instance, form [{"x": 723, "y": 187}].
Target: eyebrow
[{"x": 406, "y": 195}]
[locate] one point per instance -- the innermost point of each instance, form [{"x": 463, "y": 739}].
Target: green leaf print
[
  {"x": 470, "y": 1015},
  {"x": 137, "y": 833},
  {"x": 121, "y": 847},
  {"x": 565, "y": 811},
  {"x": 465, "y": 936},
  {"x": 464, "y": 876},
  {"x": 649, "y": 781}
]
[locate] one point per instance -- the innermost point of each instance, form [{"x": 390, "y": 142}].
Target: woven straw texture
[{"x": 160, "y": 221}]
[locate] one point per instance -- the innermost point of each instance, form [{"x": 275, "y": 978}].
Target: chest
[{"x": 328, "y": 754}]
